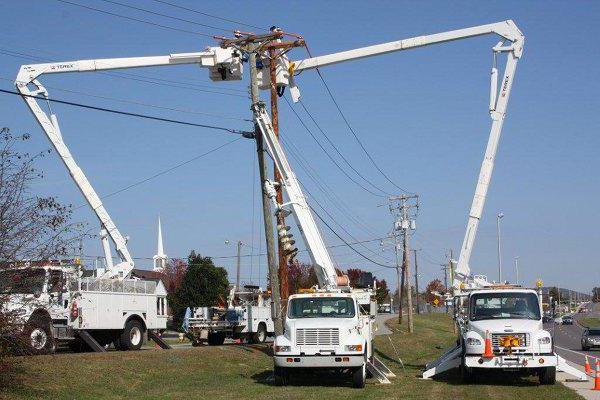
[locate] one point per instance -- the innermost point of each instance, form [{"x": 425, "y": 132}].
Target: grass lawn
[
  {"x": 590, "y": 322},
  {"x": 243, "y": 372}
]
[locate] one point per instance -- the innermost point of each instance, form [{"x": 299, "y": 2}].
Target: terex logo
[
  {"x": 505, "y": 86},
  {"x": 62, "y": 66}
]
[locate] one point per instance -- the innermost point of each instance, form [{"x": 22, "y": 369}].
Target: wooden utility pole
[
  {"x": 283, "y": 267},
  {"x": 416, "y": 281},
  {"x": 276, "y": 309},
  {"x": 404, "y": 223}
]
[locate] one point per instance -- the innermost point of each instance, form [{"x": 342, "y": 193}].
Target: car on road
[
  {"x": 567, "y": 320},
  {"x": 546, "y": 319},
  {"x": 590, "y": 338}
]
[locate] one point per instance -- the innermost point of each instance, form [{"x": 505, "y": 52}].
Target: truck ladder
[
  {"x": 90, "y": 341},
  {"x": 158, "y": 340}
]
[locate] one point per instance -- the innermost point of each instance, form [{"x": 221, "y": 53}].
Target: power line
[
  {"x": 138, "y": 103},
  {"x": 329, "y": 155},
  {"x": 352, "y": 130},
  {"x": 339, "y": 152},
  {"x": 143, "y": 21},
  {"x": 164, "y": 171},
  {"x": 130, "y": 114},
  {"x": 165, "y": 15},
  {"x": 207, "y": 15}
]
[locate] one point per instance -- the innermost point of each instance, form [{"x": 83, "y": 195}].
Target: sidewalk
[{"x": 584, "y": 389}]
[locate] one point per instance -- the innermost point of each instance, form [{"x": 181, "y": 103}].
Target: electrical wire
[
  {"x": 329, "y": 155},
  {"x": 337, "y": 106},
  {"x": 143, "y": 21},
  {"x": 164, "y": 171},
  {"x": 338, "y": 151},
  {"x": 207, "y": 15},
  {"x": 165, "y": 15},
  {"x": 126, "y": 113},
  {"x": 138, "y": 103}
]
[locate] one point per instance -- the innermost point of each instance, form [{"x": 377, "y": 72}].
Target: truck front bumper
[
  {"x": 334, "y": 361},
  {"x": 514, "y": 361}
]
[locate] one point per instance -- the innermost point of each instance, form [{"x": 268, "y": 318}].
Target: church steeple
[{"x": 160, "y": 259}]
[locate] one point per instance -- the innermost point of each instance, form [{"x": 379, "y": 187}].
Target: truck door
[{"x": 58, "y": 298}]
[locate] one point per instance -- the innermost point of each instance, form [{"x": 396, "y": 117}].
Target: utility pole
[
  {"x": 276, "y": 309},
  {"x": 405, "y": 222},
  {"x": 416, "y": 281},
  {"x": 239, "y": 257}
]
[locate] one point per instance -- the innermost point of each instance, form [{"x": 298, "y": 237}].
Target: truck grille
[
  {"x": 498, "y": 337},
  {"x": 318, "y": 337}
]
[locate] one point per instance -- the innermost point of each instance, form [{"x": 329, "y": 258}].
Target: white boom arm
[
  {"x": 224, "y": 64},
  {"x": 319, "y": 255},
  {"x": 498, "y": 103}
]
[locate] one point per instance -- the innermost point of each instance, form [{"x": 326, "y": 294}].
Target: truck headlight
[
  {"x": 545, "y": 340},
  {"x": 473, "y": 342},
  {"x": 354, "y": 347},
  {"x": 283, "y": 349}
]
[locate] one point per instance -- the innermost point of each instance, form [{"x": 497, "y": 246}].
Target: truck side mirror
[{"x": 37, "y": 294}]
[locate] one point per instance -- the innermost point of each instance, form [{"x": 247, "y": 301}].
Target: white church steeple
[{"x": 160, "y": 259}]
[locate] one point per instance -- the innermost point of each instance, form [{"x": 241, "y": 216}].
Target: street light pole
[{"x": 499, "y": 217}]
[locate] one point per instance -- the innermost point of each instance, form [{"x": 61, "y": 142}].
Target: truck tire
[
  {"x": 132, "y": 336},
  {"x": 281, "y": 376},
  {"x": 38, "y": 337},
  {"x": 261, "y": 334},
  {"x": 548, "y": 376},
  {"x": 359, "y": 375},
  {"x": 216, "y": 338}
]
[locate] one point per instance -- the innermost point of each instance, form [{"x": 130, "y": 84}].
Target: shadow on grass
[
  {"x": 490, "y": 378},
  {"x": 11, "y": 376},
  {"x": 310, "y": 378}
]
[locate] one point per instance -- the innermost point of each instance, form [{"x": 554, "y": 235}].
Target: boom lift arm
[
  {"x": 224, "y": 64},
  {"x": 509, "y": 32},
  {"x": 307, "y": 226}
]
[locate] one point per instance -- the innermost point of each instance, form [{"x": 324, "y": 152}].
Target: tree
[
  {"x": 354, "y": 276},
  {"x": 553, "y": 292},
  {"x": 32, "y": 227},
  {"x": 301, "y": 276},
  {"x": 435, "y": 286},
  {"x": 175, "y": 272},
  {"x": 203, "y": 285},
  {"x": 383, "y": 292}
]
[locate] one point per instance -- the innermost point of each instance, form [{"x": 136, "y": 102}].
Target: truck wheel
[
  {"x": 548, "y": 376},
  {"x": 216, "y": 338},
  {"x": 38, "y": 337},
  {"x": 281, "y": 375},
  {"x": 359, "y": 376},
  {"x": 132, "y": 337},
  {"x": 196, "y": 343},
  {"x": 261, "y": 334}
]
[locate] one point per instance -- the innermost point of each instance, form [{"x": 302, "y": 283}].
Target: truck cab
[
  {"x": 502, "y": 328},
  {"x": 328, "y": 330}
]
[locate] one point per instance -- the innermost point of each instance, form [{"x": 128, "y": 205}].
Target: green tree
[{"x": 203, "y": 285}]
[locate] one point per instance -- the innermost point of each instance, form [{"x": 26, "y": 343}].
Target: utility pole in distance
[
  {"x": 405, "y": 222},
  {"x": 416, "y": 281}
]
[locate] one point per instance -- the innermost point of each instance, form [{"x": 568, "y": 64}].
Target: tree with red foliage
[
  {"x": 354, "y": 275},
  {"x": 382, "y": 293},
  {"x": 301, "y": 276},
  {"x": 174, "y": 272},
  {"x": 434, "y": 286}
]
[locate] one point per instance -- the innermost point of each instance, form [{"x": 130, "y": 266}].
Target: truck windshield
[
  {"x": 504, "y": 306},
  {"x": 22, "y": 281},
  {"x": 316, "y": 307}
]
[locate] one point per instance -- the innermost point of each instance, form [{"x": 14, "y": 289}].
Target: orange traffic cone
[
  {"x": 588, "y": 369},
  {"x": 488, "y": 346},
  {"x": 597, "y": 381}
]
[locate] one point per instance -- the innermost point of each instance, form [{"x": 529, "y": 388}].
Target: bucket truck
[
  {"x": 508, "y": 318},
  {"x": 329, "y": 327},
  {"x": 57, "y": 302}
]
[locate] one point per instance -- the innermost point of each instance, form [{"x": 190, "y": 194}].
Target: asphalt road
[{"x": 567, "y": 338}]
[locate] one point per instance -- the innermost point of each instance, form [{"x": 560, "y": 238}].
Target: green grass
[
  {"x": 590, "y": 322},
  {"x": 243, "y": 372}
]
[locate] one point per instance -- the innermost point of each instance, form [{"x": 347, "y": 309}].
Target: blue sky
[{"x": 421, "y": 114}]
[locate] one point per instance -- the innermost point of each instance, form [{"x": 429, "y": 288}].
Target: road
[{"x": 567, "y": 338}]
